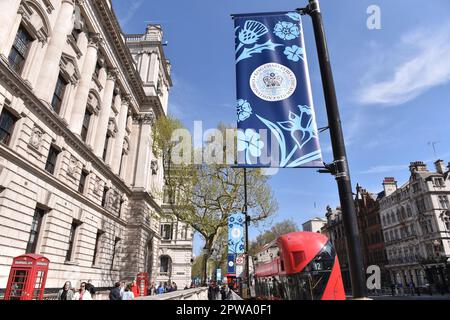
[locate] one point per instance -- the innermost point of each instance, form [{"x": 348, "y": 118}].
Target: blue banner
[
  {"x": 236, "y": 243},
  {"x": 231, "y": 264},
  {"x": 275, "y": 112}
]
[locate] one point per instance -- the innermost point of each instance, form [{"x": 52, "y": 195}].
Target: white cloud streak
[
  {"x": 426, "y": 66},
  {"x": 134, "y": 7}
]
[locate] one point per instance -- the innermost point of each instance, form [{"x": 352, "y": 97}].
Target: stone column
[
  {"x": 118, "y": 144},
  {"x": 79, "y": 105},
  {"x": 105, "y": 113},
  {"x": 45, "y": 86},
  {"x": 143, "y": 158},
  {"x": 8, "y": 15}
]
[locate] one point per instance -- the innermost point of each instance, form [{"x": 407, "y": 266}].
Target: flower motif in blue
[
  {"x": 294, "y": 53},
  {"x": 244, "y": 110},
  {"x": 249, "y": 141},
  {"x": 287, "y": 30}
]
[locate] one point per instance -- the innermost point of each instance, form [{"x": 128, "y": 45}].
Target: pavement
[{"x": 421, "y": 297}]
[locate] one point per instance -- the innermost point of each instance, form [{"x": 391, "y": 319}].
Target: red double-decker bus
[{"x": 298, "y": 266}]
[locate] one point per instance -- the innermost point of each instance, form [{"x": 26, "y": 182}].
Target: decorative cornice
[
  {"x": 112, "y": 74},
  {"x": 147, "y": 118},
  {"x": 95, "y": 40}
]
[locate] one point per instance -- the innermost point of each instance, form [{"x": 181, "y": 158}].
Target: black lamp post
[{"x": 339, "y": 168}]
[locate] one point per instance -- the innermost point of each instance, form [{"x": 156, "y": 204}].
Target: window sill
[{"x": 71, "y": 263}]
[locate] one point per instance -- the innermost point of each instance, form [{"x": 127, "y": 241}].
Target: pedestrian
[
  {"x": 128, "y": 294},
  {"x": 122, "y": 288},
  {"x": 174, "y": 286},
  {"x": 393, "y": 289},
  {"x": 114, "y": 294},
  {"x": 134, "y": 288},
  {"x": 160, "y": 289},
  {"x": 223, "y": 292},
  {"x": 411, "y": 288},
  {"x": 152, "y": 289},
  {"x": 66, "y": 293},
  {"x": 82, "y": 293},
  {"x": 90, "y": 287}
]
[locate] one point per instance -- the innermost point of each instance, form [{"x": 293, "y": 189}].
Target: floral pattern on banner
[{"x": 236, "y": 242}]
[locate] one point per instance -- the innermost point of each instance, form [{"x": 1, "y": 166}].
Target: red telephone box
[
  {"x": 27, "y": 278},
  {"x": 142, "y": 280}
]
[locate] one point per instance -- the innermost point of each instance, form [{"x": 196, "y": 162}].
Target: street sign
[{"x": 240, "y": 259}]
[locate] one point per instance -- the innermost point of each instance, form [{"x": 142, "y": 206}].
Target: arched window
[{"x": 165, "y": 264}]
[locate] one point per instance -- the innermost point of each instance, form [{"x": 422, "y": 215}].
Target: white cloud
[
  {"x": 426, "y": 65},
  {"x": 133, "y": 9}
]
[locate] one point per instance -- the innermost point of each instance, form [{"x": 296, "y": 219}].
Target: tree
[
  {"x": 204, "y": 195},
  {"x": 279, "y": 229}
]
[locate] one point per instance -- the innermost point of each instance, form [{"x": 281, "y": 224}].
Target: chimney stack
[
  {"x": 389, "y": 185},
  {"x": 440, "y": 166},
  {"x": 418, "y": 166}
]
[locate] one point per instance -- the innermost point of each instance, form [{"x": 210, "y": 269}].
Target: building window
[
  {"x": 166, "y": 231},
  {"x": 20, "y": 49},
  {"x": 443, "y": 202},
  {"x": 97, "y": 70},
  {"x": 421, "y": 205},
  {"x": 104, "y": 197},
  {"x": 73, "y": 230},
  {"x": 35, "y": 230},
  {"x": 116, "y": 243},
  {"x": 58, "y": 95},
  {"x": 83, "y": 178},
  {"x": 85, "y": 127},
  {"x": 164, "y": 264},
  {"x": 439, "y": 182},
  {"x": 51, "y": 160},
  {"x": 408, "y": 211},
  {"x": 7, "y": 122},
  {"x": 416, "y": 187},
  {"x": 105, "y": 147},
  {"x": 97, "y": 246}
]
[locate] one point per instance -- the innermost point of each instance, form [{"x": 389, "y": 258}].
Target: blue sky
[{"x": 393, "y": 84}]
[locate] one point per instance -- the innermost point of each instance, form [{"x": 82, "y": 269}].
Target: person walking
[
  {"x": 90, "y": 287},
  {"x": 114, "y": 294},
  {"x": 82, "y": 293},
  {"x": 66, "y": 293},
  {"x": 128, "y": 294}
]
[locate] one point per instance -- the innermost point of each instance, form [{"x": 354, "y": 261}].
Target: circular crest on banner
[
  {"x": 236, "y": 233},
  {"x": 273, "y": 82}
]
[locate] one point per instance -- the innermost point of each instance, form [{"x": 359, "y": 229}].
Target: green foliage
[
  {"x": 204, "y": 195},
  {"x": 279, "y": 229}
]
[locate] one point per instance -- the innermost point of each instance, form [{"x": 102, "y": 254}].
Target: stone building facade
[
  {"x": 416, "y": 227},
  {"x": 370, "y": 231},
  {"x": 335, "y": 231},
  {"x": 314, "y": 225},
  {"x": 79, "y": 183}
]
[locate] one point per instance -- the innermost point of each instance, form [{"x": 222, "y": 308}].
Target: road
[{"x": 421, "y": 297}]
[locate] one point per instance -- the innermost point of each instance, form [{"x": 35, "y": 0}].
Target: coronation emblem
[{"x": 273, "y": 82}]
